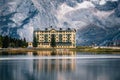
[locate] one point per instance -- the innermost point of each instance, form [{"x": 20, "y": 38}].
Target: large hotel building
[{"x": 62, "y": 38}]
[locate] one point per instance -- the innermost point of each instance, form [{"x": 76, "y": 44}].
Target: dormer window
[
  {"x": 60, "y": 28},
  {"x": 46, "y": 29},
  {"x": 68, "y": 28}
]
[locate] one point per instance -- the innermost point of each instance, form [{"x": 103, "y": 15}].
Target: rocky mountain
[{"x": 96, "y": 21}]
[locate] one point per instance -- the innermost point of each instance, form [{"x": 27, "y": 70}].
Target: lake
[{"x": 46, "y": 65}]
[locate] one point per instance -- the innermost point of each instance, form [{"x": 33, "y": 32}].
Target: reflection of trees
[{"x": 16, "y": 69}]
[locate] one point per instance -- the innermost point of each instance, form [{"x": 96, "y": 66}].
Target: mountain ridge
[{"x": 20, "y": 18}]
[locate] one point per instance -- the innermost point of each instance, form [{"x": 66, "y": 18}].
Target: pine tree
[
  {"x": 34, "y": 42},
  {"x": 5, "y": 41},
  {"x": 24, "y": 43},
  {"x": 53, "y": 42},
  {"x": 0, "y": 41}
]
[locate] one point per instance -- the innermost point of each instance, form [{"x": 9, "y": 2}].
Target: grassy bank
[
  {"x": 77, "y": 49},
  {"x": 94, "y": 49},
  {"x": 15, "y": 50}
]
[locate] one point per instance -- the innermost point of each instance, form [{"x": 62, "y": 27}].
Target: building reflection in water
[
  {"x": 57, "y": 52},
  {"x": 53, "y": 67},
  {"x": 59, "y": 65},
  {"x": 55, "y": 64}
]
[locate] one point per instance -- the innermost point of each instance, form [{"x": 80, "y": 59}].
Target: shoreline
[{"x": 78, "y": 49}]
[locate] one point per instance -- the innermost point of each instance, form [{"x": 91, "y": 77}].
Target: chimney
[
  {"x": 60, "y": 28},
  {"x": 51, "y": 27},
  {"x": 68, "y": 28},
  {"x": 46, "y": 29}
]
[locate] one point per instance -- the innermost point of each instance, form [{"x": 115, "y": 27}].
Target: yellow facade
[{"x": 63, "y": 38}]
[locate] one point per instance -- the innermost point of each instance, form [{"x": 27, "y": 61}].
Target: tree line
[{"x": 6, "y": 41}]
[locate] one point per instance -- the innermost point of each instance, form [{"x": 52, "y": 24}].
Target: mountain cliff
[{"x": 96, "y": 21}]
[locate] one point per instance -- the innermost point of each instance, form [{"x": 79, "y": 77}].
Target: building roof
[{"x": 53, "y": 29}]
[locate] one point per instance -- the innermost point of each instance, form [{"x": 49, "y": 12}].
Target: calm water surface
[{"x": 73, "y": 66}]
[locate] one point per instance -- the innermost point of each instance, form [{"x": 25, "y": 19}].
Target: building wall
[{"x": 63, "y": 38}]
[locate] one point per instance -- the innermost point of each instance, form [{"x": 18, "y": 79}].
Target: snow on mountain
[{"x": 93, "y": 19}]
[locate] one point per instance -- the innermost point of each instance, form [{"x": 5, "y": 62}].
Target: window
[
  {"x": 60, "y": 37},
  {"x": 68, "y": 37},
  {"x": 46, "y": 37}
]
